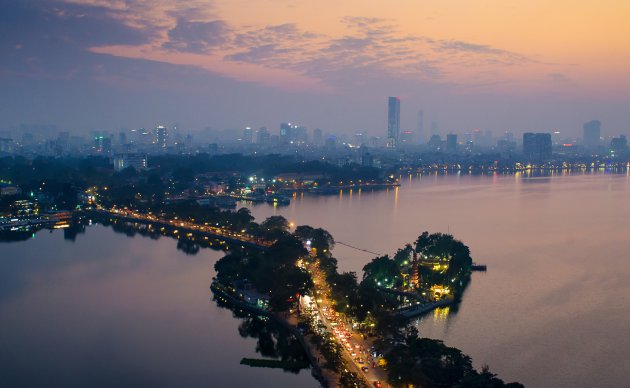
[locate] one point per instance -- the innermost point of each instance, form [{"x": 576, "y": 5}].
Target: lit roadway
[
  {"x": 186, "y": 226},
  {"x": 322, "y": 303}
]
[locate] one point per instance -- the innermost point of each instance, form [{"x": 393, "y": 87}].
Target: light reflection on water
[{"x": 553, "y": 308}]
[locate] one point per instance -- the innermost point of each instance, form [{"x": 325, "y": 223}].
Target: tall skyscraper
[
  {"x": 262, "y": 135},
  {"x": 318, "y": 137},
  {"x": 393, "y": 121},
  {"x": 248, "y": 135},
  {"x": 160, "y": 136},
  {"x": 592, "y": 133},
  {"x": 420, "y": 130}
]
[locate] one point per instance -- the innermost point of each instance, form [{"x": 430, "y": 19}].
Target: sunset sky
[{"x": 495, "y": 65}]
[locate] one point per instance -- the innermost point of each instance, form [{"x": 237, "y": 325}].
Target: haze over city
[
  {"x": 293, "y": 193},
  {"x": 518, "y": 66}
]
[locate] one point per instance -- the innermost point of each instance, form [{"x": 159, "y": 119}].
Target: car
[
  {"x": 377, "y": 384},
  {"x": 360, "y": 361},
  {"x": 365, "y": 369}
]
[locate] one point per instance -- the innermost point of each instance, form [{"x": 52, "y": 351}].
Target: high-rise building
[
  {"x": 359, "y": 139},
  {"x": 619, "y": 144},
  {"x": 592, "y": 133},
  {"x": 406, "y": 137},
  {"x": 262, "y": 135},
  {"x": 318, "y": 137},
  {"x": 420, "y": 128},
  {"x": 160, "y": 136},
  {"x": 292, "y": 133},
  {"x": 102, "y": 144},
  {"x": 393, "y": 121},
  {"x": 122, "y": 137},
  {"x": 537, "y": 146},
  {"x": 451, "y": 142},
  {"x": 248, "y": 135}
]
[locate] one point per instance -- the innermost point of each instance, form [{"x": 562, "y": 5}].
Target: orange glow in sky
[{"x": 495, "y": 45}]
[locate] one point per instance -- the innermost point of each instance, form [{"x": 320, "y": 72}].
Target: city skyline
[{"x": 225, "y": 65}]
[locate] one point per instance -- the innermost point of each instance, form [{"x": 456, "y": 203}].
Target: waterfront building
[
  {"x": 619, "y": 144},
  {"x": 393, "y": 121},
  {"x": 537, "y": 146},
  {"x": 451, "y": 142},
  {"x": 592, "y": 133}
]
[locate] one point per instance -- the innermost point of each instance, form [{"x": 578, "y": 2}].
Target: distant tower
[
  {"x": 161, "y": 136},
  {"x": 248, "y": 135},
  {"x": 592, "y": 133},
  {"x": 262, "y": 135},
  {"x": 393, "y": 121},
  {"x": 414, "y": 281},
  {"x": 318, "y": 137},
  {"x": 420, "y": 128}
]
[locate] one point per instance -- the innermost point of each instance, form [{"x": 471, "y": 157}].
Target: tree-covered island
[{"x": 358, "y": 328}]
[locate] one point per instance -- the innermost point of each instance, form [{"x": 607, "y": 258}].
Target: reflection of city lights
[{"x": 441, "y": 313}]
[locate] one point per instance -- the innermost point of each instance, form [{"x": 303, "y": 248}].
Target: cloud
[
  {"x": 192, "y": 32},
  {"x": 197, "y": 37}
]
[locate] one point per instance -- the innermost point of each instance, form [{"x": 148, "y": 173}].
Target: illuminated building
[
  {"x": 248, "y": 135},
  {"x": 160, "y": 136},
  {"x": 393, "y": 121},
  {"x": 136, "y": 160},
  {"x": 414, "y": 282}
]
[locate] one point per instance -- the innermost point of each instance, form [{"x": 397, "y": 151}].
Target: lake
[
  {"x": 108, "y": 310},
  {"x": 553, "y": 309}
]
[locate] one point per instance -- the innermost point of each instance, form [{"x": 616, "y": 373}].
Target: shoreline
[{"x": 317, "y": 371}]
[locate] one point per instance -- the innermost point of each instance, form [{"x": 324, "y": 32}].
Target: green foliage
[
  {"x": 403, "y": 255},
  {"x": 383, "y": 271}
]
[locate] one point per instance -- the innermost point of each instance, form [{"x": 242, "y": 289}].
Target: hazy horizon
[{"x": 108, "y": 64}]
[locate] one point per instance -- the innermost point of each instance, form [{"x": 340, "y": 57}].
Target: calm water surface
[
  {"x": 113, "y": 311},
  {"x": 553, "y": 310}
]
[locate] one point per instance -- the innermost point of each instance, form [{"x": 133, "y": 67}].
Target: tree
[
  {"x": 304, "y": 233},
  {"x": 274, "y": 227},
  {"x": 322, "y": 241},
  {"x": 383, "y": 271}
]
